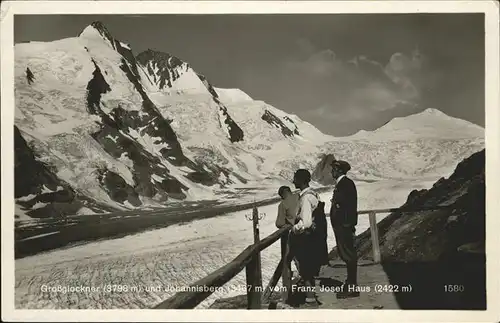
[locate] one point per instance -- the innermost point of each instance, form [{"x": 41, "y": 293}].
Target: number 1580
[{"x": 454, "y": 288}]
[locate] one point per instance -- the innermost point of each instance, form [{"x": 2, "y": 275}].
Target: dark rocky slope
[
  {"x": 147, "y": 121},
  {"x": 434, "y": 235},
  {"x": 163, "y": 69},
  {"x": 38, "y": 190},
  {"x": 277, "y": 123},
  {"x": 433, "y": 249},
  {"x": 170, "y": 68}
]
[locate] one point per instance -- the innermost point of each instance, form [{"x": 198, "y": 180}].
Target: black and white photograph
[{"x": 286, "y": 162}]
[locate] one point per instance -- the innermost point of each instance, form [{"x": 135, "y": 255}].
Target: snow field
[
  {"x": 174, "y": 256},
  {"x": 228, "y": 96}
]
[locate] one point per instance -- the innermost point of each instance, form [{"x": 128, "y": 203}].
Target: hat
[{"x": 342, "y": 165}]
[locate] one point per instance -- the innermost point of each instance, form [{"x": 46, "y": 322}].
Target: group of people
[{"x": 307, "y": 241}]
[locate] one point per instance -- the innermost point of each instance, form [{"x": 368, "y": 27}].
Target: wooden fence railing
[{"x": 250, "y": 260}]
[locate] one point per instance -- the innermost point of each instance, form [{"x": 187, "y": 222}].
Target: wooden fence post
[
  {"x": 374, "y": 235},
  {"x": 254, "y": 269},
  {"x": 256, "y": 240},
  {"x": 254, "y": 293},
  {"x": 286, "y": 275}
]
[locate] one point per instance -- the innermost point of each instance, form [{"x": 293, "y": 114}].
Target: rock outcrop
[
  {"x": 323, "y": 171},
  {"x": 434, "y": 235}
]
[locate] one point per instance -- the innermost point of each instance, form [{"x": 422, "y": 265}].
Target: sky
[{"x": 340, "y": 72}]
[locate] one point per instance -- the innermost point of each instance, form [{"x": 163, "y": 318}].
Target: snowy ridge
[
  {"x": 168, "y": 73},
  {"x": 172, "y": 76},
  {"x": 430, "y": 123},
  {"x": 229, "y": 96},
  {"x": 97, "y": 32},
  {"x": 420, "y": 158}
]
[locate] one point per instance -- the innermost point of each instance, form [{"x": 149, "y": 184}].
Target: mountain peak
[
  {"x": 99, "y": 26},
  {"x": 97, "y": 29},
  {"x": 433, "y": 112},
  {"x": 429, "y": 123},
  {"x": 426, "y": 115}
]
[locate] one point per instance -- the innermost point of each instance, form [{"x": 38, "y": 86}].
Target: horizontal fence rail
[
  {"x": 250, "y": 259},
  {"x": 406, "y": 209}
]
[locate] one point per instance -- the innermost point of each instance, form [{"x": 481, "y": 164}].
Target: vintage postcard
[{"x": 244, "y": 161}]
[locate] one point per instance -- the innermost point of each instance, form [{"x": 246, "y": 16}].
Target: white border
[{"x": 490, "y": 8}]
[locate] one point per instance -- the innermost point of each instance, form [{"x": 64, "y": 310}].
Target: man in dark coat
[{"x": 344, "y": 218}]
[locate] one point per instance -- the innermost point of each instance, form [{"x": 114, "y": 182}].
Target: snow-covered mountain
[
  {"x": 428, "y": 144},
  {"x": 430, "y": 123},
  {"x": 126, "y": 131},
  {"x": 86, "y": 114},
  {"x": 100, "y": 129},
  {"x": 406, "y": 159}
]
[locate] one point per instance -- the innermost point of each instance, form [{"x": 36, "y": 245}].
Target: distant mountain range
[{"x": 98, "y": 129}]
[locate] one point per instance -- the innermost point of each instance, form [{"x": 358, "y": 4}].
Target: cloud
[
  {"x": 330, "y": 91},
  {"x": 329, "y": 113},
  {"x": 405, "y": 72},
  {"x": 357, "y": 87},
  {"x": 323, "y": 111},
  {"x": 323, "y": 63},
  {"x": 305, "y": 46}
]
